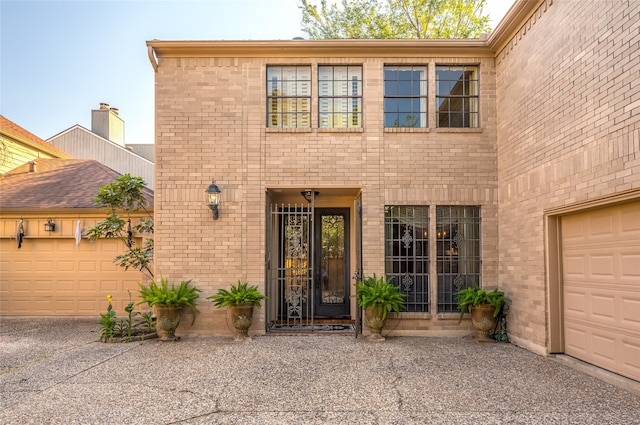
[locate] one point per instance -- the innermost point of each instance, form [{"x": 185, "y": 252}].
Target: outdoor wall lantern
[
  {"x": 49, "y": 226},
  {"x": 213, "y": 198}
]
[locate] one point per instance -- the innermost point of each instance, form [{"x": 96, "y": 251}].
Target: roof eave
[
  {"x": 515, "y": 18},
  {"x": 321, "y": 48}
]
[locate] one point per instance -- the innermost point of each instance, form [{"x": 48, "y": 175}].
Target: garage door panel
[
  {"x": 575, "y": 304},
  {"x": 21, "y": 266},
  {"x": 631, "y": 313},
  {"x": 87, "y": 306},
  {"x": 65, "y": 286},
  {"x": 56, "y": 277},
  {"x": 576, "y": 338},
  {"x": 603, "y": 308},
  {"x": 66, "y": 266},
  {"x": 602, "y": 265},
  {"x": 108, "y": 266},
  {"x": 630, "y": 266},
  {"x": 600, "y": 225},
  {"x": 19, "y": 286},
  {"x": 631, "y": 359},
  {"x": 601, "y": 287},
  {"x": 87, "y": 266},
  {"x": 630, "y": 221},
  {"x": 604, "y": 347}
]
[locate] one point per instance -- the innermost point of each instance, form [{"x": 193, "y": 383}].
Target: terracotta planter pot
[
  {"x": 374, "y": 315},
  {"x": 241, "y": 316},
  {"x": 167, "y": 320},
  {"x": 483, "y": 321}
]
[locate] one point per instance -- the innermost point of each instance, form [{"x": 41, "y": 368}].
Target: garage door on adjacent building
[
  {"x": 601, "y": 287},
  {"x": 55, "y": 277}
]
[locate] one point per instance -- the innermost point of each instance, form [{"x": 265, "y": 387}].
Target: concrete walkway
[{"x": 52, "y": 371}]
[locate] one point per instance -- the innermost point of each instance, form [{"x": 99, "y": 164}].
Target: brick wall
[
  {"x": 568, "y": 97},
  {"x": 210, "y": 123}
]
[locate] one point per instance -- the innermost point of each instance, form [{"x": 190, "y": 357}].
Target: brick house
[{"x": 513, "y": 161}]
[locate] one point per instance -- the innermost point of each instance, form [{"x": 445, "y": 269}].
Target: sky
[{"x": 61, "y": 59}]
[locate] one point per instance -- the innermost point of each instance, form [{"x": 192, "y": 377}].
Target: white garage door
[
  {"x": 54, "y": 277},
  {"x": 601, "y": 281}
]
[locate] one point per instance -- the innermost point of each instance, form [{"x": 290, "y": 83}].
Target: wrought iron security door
[
  {"x": 293, "y": 227},
  {"x": 308, "y": 267}
]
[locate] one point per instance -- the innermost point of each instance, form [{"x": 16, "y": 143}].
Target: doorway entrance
[
  {"x": 309, "y": 265},
  {"x": 331, "y": 265}
]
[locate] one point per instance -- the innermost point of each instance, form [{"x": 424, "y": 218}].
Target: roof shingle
[{"x": 57, "y": 184}]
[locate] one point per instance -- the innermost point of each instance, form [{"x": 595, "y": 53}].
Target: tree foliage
[
  {"x": 393, "y": 19},
  {"x": 122, "y": 199}
]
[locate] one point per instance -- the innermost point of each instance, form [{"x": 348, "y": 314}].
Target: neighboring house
[
  {"x": 18, "y": 146},
  {"x": 53, "y": 271},
  {"x": 105, "y": 143},
  {"x": 511, "y": 161}
]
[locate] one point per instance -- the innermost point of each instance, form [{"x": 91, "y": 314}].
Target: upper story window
[
  {"x": 339, "y": 96},
  {"x": 405, "y": 96},
  {"x": 289, "y": 96},
  {"x": 457, "y": 96}
]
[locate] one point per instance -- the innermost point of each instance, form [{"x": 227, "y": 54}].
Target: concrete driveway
[{"x": 53, "y": 371}]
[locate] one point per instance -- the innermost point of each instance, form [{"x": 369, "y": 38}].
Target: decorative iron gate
[{"x": 291, "y": 278}]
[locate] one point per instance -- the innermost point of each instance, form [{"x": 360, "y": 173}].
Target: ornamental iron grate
[
  {"x": 458, "y": 258},
  {"x": 406, "y": 231}
]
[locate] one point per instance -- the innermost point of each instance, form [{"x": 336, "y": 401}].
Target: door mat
[{"x": 326, "y": 328}]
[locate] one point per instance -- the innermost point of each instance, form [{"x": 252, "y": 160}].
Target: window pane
[
  {"x": 391, "y": 104},
  {"x": 390, "y": 88},
  {"x": 457, "y": 96},
  {"x": 458, "y": 252},
  {"x": 407, "y": 253},
  {"x": 339, "y": 96},
  {"x": 407, "y": 84},
  {"x": 287, "y": 94}
]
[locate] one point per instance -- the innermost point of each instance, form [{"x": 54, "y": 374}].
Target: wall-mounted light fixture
[
  {"x": 213, "y": 198},
  {"x": 308, "y": 194},
  {"x": 49, "y": 226}
]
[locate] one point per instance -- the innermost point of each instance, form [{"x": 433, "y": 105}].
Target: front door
[{"x": 331, "y": 263}]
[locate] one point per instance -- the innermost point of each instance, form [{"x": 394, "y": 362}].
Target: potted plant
[
  {"x": 378, "y": 297},
  {"x": 240, "y": 300},
  {"x": 484, "y": 307},
  {"x": 167, "y": 302}
]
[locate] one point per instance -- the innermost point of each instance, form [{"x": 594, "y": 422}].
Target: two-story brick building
[{"x": 512, "y": 161}]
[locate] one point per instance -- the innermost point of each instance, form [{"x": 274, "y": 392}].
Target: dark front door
[{"x": 331, "y": 263}]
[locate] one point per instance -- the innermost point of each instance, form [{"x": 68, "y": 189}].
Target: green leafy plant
[
  {"x": 147, "y": 320},
  {"x": 107, "y": 321},
  {"x": 474, "y": 295},
  {"x": 241, "y": 293},
  {"x": 126, "y": 196},
  {"x": 131, "y": 315},
  {"x": 125, "y": 329},
  {"x": 183, "y": 294},
  {"x": 381, "y": 293}
]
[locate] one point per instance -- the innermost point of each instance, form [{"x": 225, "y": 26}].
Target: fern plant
[
  {"x": 379, "y": 293},
  {"x": 180, "y": 295},
  {"x": 474, "y": 295},
  {"x": 241, "y": 293}
]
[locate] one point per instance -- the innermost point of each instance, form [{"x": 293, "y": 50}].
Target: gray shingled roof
[{"x": 57, "y": 184}]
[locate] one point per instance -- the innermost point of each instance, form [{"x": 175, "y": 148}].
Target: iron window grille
[
  {"x": 406, "y": 234},
  {"x": 458, "y": 260}
]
